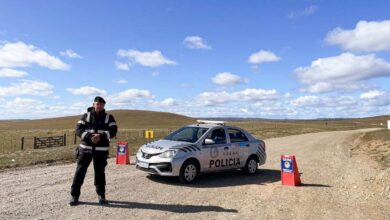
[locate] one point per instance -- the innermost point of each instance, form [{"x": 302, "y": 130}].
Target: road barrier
[
  {"x": 289, "y": 171},
  {"x": 122, "y": 153}
]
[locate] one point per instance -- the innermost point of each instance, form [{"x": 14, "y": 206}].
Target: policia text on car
[{"x": 95, "y": 128}]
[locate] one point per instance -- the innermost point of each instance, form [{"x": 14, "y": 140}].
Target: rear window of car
[{"x": 236, "y": 135}]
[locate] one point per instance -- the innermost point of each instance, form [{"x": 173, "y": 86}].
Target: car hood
[{"x": 161, "y": 146}]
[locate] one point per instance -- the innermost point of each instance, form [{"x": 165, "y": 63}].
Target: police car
[{"x": 208, "y": 146}]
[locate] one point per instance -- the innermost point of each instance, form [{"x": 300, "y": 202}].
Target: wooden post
[
  {"x": 75, "y": 138},
  {"x": 22, "y": 144},
  {"x": 35, "y": 142},
  {"x": 64, "y": 139}
]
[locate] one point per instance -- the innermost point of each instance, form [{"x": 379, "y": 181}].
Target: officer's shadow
[
  {"x": 224, "y": 179},
  {"x": 177, "y": 208}
]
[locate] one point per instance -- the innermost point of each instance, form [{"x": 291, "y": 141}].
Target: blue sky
[{"x": 269, "y": 59}]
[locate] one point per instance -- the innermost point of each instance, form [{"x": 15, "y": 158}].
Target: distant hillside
[
  {"x": 139, "y": 119},
  {"x": 374, "y": 119},
  {"x": 126, "y": 119}
]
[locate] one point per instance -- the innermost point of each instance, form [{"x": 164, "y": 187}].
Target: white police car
[{"x": 208, "y": 146}]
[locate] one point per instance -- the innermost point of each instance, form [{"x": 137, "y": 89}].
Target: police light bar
[{"x": 211, "y": 122}]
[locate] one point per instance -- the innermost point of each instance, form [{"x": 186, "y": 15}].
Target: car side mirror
[{"x": 208, "y": 141}]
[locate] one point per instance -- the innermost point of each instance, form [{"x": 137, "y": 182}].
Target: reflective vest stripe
[
  {"x": 88, "y": 119},
  {"x": 108, "y": 135},
  {"x": 96, "y": 148},
  {"x": 107, "y": 118},
  {"x": 112, "y": 124},
  {"x": 84, "y": 134}
]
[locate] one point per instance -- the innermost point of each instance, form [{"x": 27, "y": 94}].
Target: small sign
[
  {"x": 121, "y": 150},
  {"x": 149, "y": 134},
  {"x": 290, "y": 174},
  {"x": 122, "y": 153},
  {"x": 287, "y": 165}
]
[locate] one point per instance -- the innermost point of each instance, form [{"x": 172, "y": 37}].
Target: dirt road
[{"x": 336, "y": 186}]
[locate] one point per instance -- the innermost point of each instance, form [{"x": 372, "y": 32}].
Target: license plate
[{"x": 143, "y": 164}]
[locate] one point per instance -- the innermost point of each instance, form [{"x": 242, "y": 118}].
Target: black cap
[{"x": 99, "y": 99}]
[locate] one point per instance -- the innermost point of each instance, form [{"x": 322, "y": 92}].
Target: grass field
[
  {"x": 132, "y": 124},
  {"x": 377, "y": 145}
]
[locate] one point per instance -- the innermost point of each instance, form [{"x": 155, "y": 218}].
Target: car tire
[
  {"x": 251, "y": 165},
  {"x": 188, "y": 172}
]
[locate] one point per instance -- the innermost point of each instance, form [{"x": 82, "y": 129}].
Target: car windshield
[{"x": 188, "y": 134}]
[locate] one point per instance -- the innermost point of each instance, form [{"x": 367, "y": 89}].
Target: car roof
[
  {"x": 204, "y": 125},
  {"x": 213, "y": 126}
]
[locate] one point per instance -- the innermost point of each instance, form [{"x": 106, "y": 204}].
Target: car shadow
[
  {"x": 177, "y": 208},
  {"x": 224, "y": 179}
]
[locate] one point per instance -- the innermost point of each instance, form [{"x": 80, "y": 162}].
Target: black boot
[
  {"x": 74, "y": 201},
  {"x": 102, "y": 199}
]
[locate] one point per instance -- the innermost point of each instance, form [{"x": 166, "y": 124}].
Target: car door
[
  {"x": 214, "y": 156},
  {"x": 239, "y": 143}
]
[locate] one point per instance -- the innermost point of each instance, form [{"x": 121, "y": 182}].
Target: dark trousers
[{"x": 84, "y": 158}]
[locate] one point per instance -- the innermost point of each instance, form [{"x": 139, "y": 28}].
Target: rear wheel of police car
[
  {"x": 189, "y": 171},
  {"x": 251, "y": 165}
]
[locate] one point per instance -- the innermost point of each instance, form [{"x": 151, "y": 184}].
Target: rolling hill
[{"x": 126, "y": 119}]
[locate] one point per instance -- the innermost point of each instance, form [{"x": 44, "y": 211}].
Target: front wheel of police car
[{"x": 188, "y": 172}]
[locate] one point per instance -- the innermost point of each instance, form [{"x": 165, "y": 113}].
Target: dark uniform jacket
[{"x": 93, "y": 123}]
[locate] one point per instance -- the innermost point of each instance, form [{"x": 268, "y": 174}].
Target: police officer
[{"x": 95, "y": 128}]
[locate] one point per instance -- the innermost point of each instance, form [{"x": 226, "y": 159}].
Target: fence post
[
  {"x": 64, "y": 139},
  {"x": 35, "y": 142},
  {"x": 22, "y": 144},
  {"x": 75, "y": 138}
]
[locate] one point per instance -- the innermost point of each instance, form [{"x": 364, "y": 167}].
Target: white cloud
[
  {"x": 121, "y": 81},
  {"x": 87, "y": 90},
  {"x": 129, "y": 96},
  {"x": 20, "y": 54},
  {"x": 375, "y": 98},
  {"x": 196, "y": 42},
  {"x": 344, "y": 72},
  {"x": 148, "y": 59},
  {"x": 371, "y": 94},
  {"x": 6, "y": 72},
  {"x": 122, "y": 66},
  {"x": 24, "y": 104},
  {"x": 324, "y": 101},
  {"x": 223, "y": 97},
  {"x": 71, "y": 54},
  {"x": 169, "y": 102},
  {"x": 244, "y": 110},
  {"x": 27, "y": 87},
  {"x": 263, "y": 56},
  {"x": 305, "y": 12},
  {"x": 367, "y": 37},
  {"x": 227, "y": 79}
]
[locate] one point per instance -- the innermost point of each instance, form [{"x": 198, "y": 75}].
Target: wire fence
[{"x": 11, "y": 142}]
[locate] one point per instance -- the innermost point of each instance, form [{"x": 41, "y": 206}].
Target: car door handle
[{"x": 226, "y": 148}]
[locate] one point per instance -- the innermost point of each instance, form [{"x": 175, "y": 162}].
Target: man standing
[{"x": 95, "y": 128}]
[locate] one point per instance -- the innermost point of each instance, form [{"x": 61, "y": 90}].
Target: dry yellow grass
[
  {"x": 132, "y": 123},
  {"x": 377, "y": 145}
]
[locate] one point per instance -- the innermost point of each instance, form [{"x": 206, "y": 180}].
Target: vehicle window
[
  {"x": 218, "y": 135},
  {"x": 236, "y": 135},
  {"x": 188, "y": 134}
]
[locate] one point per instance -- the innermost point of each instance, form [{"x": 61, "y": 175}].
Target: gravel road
[{"x": 336, "y": 185}]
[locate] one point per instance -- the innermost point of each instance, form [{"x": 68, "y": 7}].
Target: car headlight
[{"x": 168, "y": 154}]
